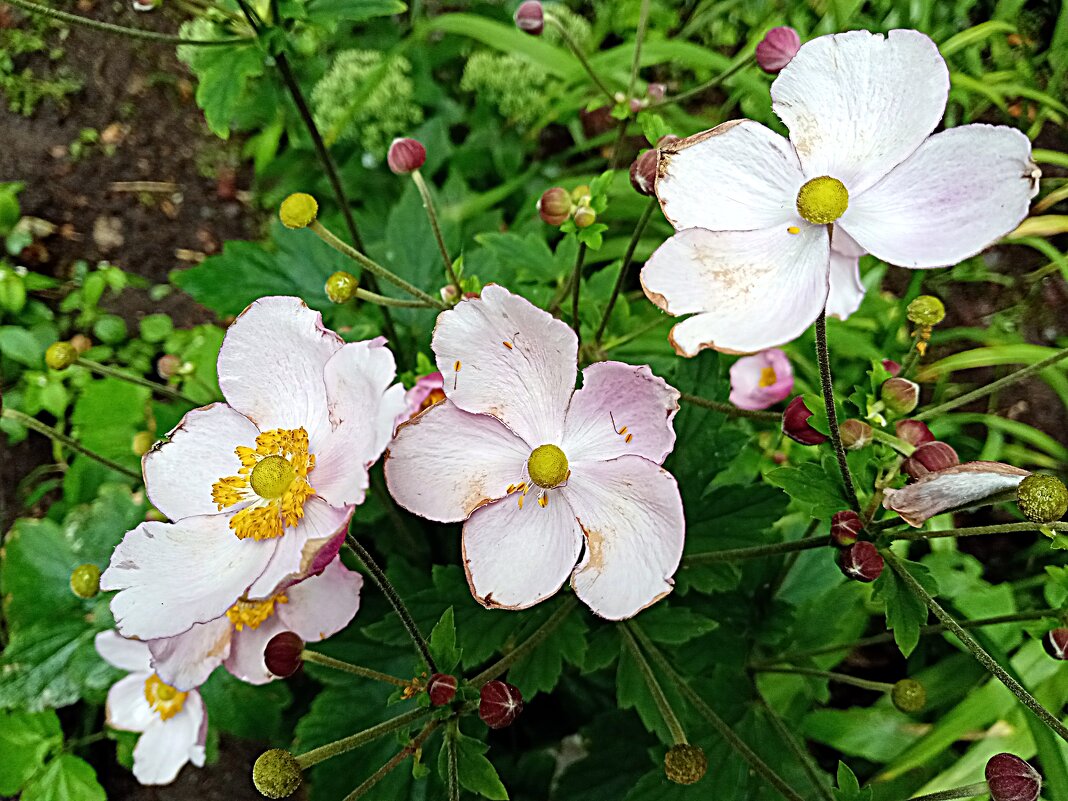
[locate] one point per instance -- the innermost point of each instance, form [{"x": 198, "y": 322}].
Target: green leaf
[
  {"x": 674, "y": 625},
  {"x": 323, "y": 11},
  {"x": 815, "y": 491},
  {"x": 443, "y": 642},
  {"x": 106, "y": 417},
  {"x": 21, "y": 346},
  {"x": 68, "y": 778},
  {"x": 222, "y": 75},
  {"x": 849, "y": 787},
  {"x": 540, "y": 670},
  {"x": 475, "y": 772},
  {"x": 905, "y": 613},
  {"x": 25, "y": 742},
  {"x": 246, "y": 710}
]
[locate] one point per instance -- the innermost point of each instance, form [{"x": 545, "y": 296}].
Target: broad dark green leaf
[
  {"x": 905, "y": 613},
  {"x": 66, "y": 778},
  {"x": 25, "y": 742}
]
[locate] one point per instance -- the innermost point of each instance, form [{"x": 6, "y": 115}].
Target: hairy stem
[
  {"x": 317, "y": 755},
  {"x": 34, "y": 424},
  {"x": 826, "y": 384},
  {"x": 395, "y": 760},
  {"x": 428, "y": 205},
  {"x": 968, "y": 791},
  {"x": 802, "y": 754},
  {"x": 1001, "y": 528},
  {"x": 528, "y": 645},
  {"x": 678, "y": 735},
  {"x": 346, "y": 667},
  {"x": 576, "y": 287},
  {"x": 159, "y": 389},
  {"x": 573, "y": 46},
  {"x": 729, "y": 409},
  {"x": 703, "y": 87},
  {"x": 385, "y": 300},
  {"x": 628, "y": 258},
  {"x": 841, "y": 678},
  {"x": 754, "y": 552}
]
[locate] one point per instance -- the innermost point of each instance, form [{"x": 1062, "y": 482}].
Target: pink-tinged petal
[
  {"x": 858, "y": 104},
  {"x": 750, "y": 387},
  {"x": 620, "y": 409},
  {"x": 363, "y": 407},
  {"x": 127, "y": 707},
  {"x": 246, "y": 652},
  {"x": 116, "y": 650},
  {"x": 172, "y": 575},
  {"x": 739, "y": 176},
  {"x": 195, "y": 704},
  {"x": 180, "y": 471},
  {"x": 516, "y": 557},
  {"x": 428, "y": 389},
  {"x": 845, "y": 245},
  {"x": 321, "y": 606},
  {"x": 957, "y": 487},
  {"x": 295, "y": 551},
  {"x": 186, "y": 660},
  {"x": 959, "y": 193},
  {"x": 847, "y": 291},
  {"x": 631, "y": 515},
  {"x": 164, "y": 748},
  {"x": 445, "y": 463},
  {"x": 751, "y": 290},
  {"x": 271, "y": 366},
  {"x": 501, "y": 355}
]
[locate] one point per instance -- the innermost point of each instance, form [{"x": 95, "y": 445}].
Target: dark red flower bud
[
  {"x": 795, "y": 424},
  {"x": 1056, "y": 643},
  {"x": 530, "y": 18},
  {"x": 441, "y": 688},
  {"x": 892, "y": 367},
  {"x": 845, "y": 528},
  {"x": 930, "y": 458},
  {"x": 643, "y": 173},
  {"x": 554, "y": 206},
  {"x": 777, "y": 49},
  {"x": 861, "y": 561},
  {"x": 856, "y": 434},
  {"x": 914, "y": 432},
  {"x": 665, "y": 140},
  {"x": 405, "y": 156},
  {"x": 499, "y": 704},
  {"x": 282, "y": 654},
  {"x": 1011, "y": 779}
]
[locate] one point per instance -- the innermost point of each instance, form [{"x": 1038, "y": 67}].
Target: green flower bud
[
  {"x": 900, "y": 395},
  {"x": 85, "y": 581},
  {"x": 909, "y": 696},
  {"x": 276, "y": 773},
  {"x": 1042, "y": 499},
  {"x": 926, "y": 310},
  {"x": 685, "y": 764},
  {"x": 341, "y": 286},
  {"x": 585, "y": 217},
  {"x": 60, "y": 355},
  {"x": 298, "y": 210},
  {"x": 856, "y": 434}
]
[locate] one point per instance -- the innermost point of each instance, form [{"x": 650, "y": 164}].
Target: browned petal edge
[{"x": 906, "y": 501}]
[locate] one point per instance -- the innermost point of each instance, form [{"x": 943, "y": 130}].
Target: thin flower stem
[
  {"x": 34, "y": 424},
  {"x": 968, "y": 791},
  {"x": 378, "y": 575},
  {"x": 428, "y": 204},
  {"x": 576, "y": 287},
  {"x": 1001, "y": 528},
  {"x": 710, "y": 84},
  {"x": 450, "y": 755},
  {"x": 121, "y": 30},
  {"x": 633, "y": 334},
  {"x": 573, "y": 46},
  {"x": 528, "y": 645},
  {"x": 754, "y": 552},
  {"x": 898, "y": 444},
  {"x": 802, "y": 754},
  {"x": 729, "y": 409},
  {"x": 826, "y": 384},
  {"x": 912, "y": 358},
  {"x": 345, "y": 744},
  {"x": 1001, "y": 383},
  {"x": 639, "y": 37},
  {"x": 394, "y": 761},
  {"x": 385, "y": 300},
  {"x": 628, "y": 258},
  {"x": 721, "y": 727},
  {"x": 159, "y": 389},
  {"x": 371, "y": 266},
  {"x": 678, "y": 735},
  {"x": 840, "y": 678},
  {"x": 356, "y": 670},
  {"x": 969, "y": 642}
]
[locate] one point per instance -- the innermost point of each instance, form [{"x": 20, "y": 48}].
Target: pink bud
[
  {"x": 499, "y": 704},
  {"x": 892, "y": 367},
  {"x": 1009, "y": 778},
  {"x": 930, "y": 458},
  {"x": 530, "y": 18},
  {"x": 282, "y": 654},
  {"x": 554, "y": 206},
  {"x": 795, "y": 424},
  {"x": 900, "y": 395},
  {"x": 777, "y": 49},
  {"x": 845, "y": 527},
  {"x": 856, "y": 434},
  {"x": 1056, "y": 643},
  {"x": 168, "y": 365},
  {"x": 405, "y": 156},
  {"x": 861, "y": 561},
  {"x": 914, "y": 432},
  {"x": 643, "y": 173},
  {"x": 441, "y": 688}
]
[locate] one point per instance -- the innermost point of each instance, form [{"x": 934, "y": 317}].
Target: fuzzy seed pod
[
  {"x": 685, "y": 764},
  {"x": 276, "y": 773},
  {"x": 909, "y": 696},
  {"x": 60, "y": 355},
  {"x": 1042, "y": 499},
  {"x": 298, "y": 210},
  {"x": 85, "y": 581}
]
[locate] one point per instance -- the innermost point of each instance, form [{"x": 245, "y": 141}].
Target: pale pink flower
[
  {"x": 428, "y": 390},
  {"x": 315, "y": 608},
  {"x": 552, "y": 482},
  {"x": 770, "y": 229},
  {"x": 958, "y": 487},
  {"x": 258, "y": 485},
  {"x": 761, "y": 380},
  {"x": 173, "y": 724}
]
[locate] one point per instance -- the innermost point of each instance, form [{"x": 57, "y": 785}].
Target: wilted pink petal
[{"x": 954, "y": 488}]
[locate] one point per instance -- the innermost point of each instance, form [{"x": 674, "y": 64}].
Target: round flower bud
[
  {"x": 643, "y": 173},
  {"x": 499, "y": 704},
  {"x": 845, "y": 528},
  {"x": 1042, "y": 499},
  {"x": 530, "y": 18},
  {"x": 795, "y": 423},
  {"x": 580, "y": 195},
  {"x": 909, "y": 696},
  {"x": 60, "y": 355},
  {"x": 441, "y": 688},
  {"x": 341, "y": 286},
  {"x": 856, "y": 434},
  {"x": 926, "y": 310},
  {"x": 142, "y": 442},
  {"x": 777, "y": 49},
  {"x": 276, "y": 773},
  {"x": 282, "y": 654},
  {"x": 405, "y": 156},
  {"x": 891, "y": 367},
  {"x": 585, "y": 217},
  {"x": 656, "y": 91},
  {"x": 554, "y": 206},
  {"x": 914, "y": 432},
  {"x": 861, "y": 561},
  {"x": 685, "y": 764},
  {"x": 900, "y": 395},
  {"x": 298, "y": 210},
  {"x": 930, "y": 458},
  {"x": 1009, "y": 778},
  {"x": 81, "y": 343},
  {"x": 168, "y": 365},
  {"x": 1056, "y": 643},
  {"x": 85, "y": 581}
]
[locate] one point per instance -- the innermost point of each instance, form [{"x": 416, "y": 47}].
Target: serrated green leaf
[
  {"x": 443, "y": 642},
  {"x": 68, "y": 778},
  {"x": 247, "y": 710},
  {"x": 540, "y": 670},
  {"x": 905, "y": 613},
  {"x": 673, "y": 625},
  {"x": 815, "y": 491},
  {"x": 475, "y": 772},
  {"x": 25, "y": 742}
]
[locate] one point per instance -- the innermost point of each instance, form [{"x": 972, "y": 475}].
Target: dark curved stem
[
  {"x": 394, "y": 761},
  {"x": 704, "y": 86},
  {"x": 159, "y": 389},
  {"x": 729, "y": 409},
  {"x": 628, "y": 258},
  {"x": 528, "y": 645},
  {"x": 34, "y": 424},
  {"x": 573, "y": 46},
  {"x": 432, "y": 215},
  {"x": 826, "y": 384},
  {"x": 347, "y": 667},
  {"x": 754, "y": 552}
]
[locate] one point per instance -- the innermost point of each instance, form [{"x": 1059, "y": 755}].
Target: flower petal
[
  {"x": 127, "y": 707},
  {"x": 953, "y": 488},
  {"x": 614, "y": 397},
  {"x": 180, "y": 471},
  {"x": 164, "y": 748},
  {"x": 516, "y": 557},
  {"x": 753, "y": 289},
  {"x": 172, "y": 575},
  {"x": 739, "y": 176},
  {"x": 246, "y": 654},
  {"x": 445, "y": 463},
  {"x": 515, "y": 362},
  {"x": 631, "y": 515},
  {"x": 131, "y": 655},
  {"x": 959, "y": 193},
  {"x": 271, "y": 366},
  {"x": 186, "y": 660},
  {"x": 858, "y": 104},
  {"x": 747, "y": 376},
  {"x": 321, "y": 606},
  {"x": 847, "y": 291},
  {"x": 363, "y": 407}
]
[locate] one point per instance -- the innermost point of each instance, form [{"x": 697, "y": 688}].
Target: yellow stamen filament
[
  {"x": 253, "y": 613},
  {"x": 163, "y": 698},
  {"x": 768, "y": 377}
]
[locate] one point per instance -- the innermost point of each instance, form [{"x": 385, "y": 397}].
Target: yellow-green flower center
[
  {"x": 272, "y": 476},
  {"x": 547, "y": 466},
  {"x": 768, "y": 377},
  {"x": 822, "y": 200}
]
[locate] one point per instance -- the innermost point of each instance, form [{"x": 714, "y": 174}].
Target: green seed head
[
  {"x": 685, "y": 764},
  {"x": 276, "y": 773},
  {"x": 822, "y": 200},
  {"x": 60, "y": 355},
  {"x": 547, "y": 466},
  {"x": 341, "y": 286},
  {"x": 909, "y": 696},
  {"x": 926, "y": 310},
  {"x": 1042, "y": 499},
  {"x": 85, "y": 581},
  {"x": 298, "y": 210}
]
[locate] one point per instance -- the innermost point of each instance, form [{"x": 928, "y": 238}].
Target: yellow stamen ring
[
  {"x": 163, "y": 698},
  {"x": 253, "y": 613}
]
